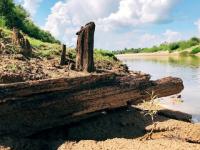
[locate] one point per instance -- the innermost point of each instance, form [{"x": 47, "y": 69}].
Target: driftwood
[
  {"x": 175, "y": 115},
  {"x": 26, "y": 108},
  {"x": 84, "y": 49}
]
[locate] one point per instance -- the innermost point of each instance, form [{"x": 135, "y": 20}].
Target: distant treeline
[
  {"x": 12, "y": 15},
  {"x": 181, "y": 45}
]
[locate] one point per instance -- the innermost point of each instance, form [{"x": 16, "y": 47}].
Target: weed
[{"x": 152, "y": 112}]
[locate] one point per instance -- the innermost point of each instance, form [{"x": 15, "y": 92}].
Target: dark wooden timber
[
  {"x": 63, "y": 55},
  {"x": 22, "y": 89},
  {"x": 29, "y": 107},
  {"x": 84, "y": 49}
]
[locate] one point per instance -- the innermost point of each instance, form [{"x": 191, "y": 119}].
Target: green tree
[
  {"x": 7, "y": 7},
  {"x": 16, "y": 16}
]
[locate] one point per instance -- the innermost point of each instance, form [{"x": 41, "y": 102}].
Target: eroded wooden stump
[
  {"x": 84, "y": 49},
  {"x": 1, "y": 33},
  {"x": 20, "y": 40}
]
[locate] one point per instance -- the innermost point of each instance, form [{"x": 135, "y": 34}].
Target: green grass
[
  {"x": 6, "y": 32},
  {"x": 35, "y": 42},
  {"x": 41, "y": 49}
]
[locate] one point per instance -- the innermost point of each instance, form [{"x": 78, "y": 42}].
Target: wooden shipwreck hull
[{"x": 29, "y": 107}]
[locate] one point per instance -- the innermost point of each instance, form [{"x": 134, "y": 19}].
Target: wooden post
[
  {"x": 1, "y": 33},
  {"x": 85, "y": 48},
  {"x": 63, "y": 55},
  {"x": 26, "y": 48}
]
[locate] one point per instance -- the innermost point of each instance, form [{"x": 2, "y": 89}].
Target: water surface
[{"x": 187, "y": 68}]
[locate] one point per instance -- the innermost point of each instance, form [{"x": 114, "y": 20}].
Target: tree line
[{"x": 180, "y": 45}]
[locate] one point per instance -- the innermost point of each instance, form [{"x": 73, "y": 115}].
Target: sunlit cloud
[{"x": 111, "y": 16}]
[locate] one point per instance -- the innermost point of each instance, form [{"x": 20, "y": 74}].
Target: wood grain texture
[{"x": 34, "y": 106}]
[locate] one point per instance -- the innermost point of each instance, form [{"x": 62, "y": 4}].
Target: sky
[{"x": 119, "y": 23}]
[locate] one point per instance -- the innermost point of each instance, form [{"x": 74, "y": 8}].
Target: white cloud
[
  {"x": 149, "y": 40},
  {"x": 31, "y": 5},
  {"x": 197, "y": 23},
  {"x": 171, "y": 36},
  {"x": 110, "y": 16},
  {"x": 136, "y": 12}
]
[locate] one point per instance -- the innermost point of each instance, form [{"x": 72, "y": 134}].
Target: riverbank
[{"x": 160, "y": 54}]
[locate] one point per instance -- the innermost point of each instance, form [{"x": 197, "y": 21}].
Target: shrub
[
  {"x": 195, "y": 39},
  {"x": 150, "y": 50},
  {"x": 184, "y": 45},
  {"x": 99, "y": 54},
  {"x": 195, "y": 50},
  {"x": 173, "y": 46},
  {"x": 2, "y": 22}
]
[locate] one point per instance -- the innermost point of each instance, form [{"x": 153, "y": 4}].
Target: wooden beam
[{"x": 25, "y": 115}]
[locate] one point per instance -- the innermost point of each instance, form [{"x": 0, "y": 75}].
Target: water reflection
[{"x": 187, "y": 68}]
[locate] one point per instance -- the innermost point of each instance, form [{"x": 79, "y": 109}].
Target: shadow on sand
[{"x": 127, "y": 123}]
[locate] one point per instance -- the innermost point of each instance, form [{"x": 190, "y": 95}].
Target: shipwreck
[{"x": 29, "y": 107}]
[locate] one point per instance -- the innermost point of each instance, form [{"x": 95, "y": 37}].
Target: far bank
[{"x": 160, "y": 54}]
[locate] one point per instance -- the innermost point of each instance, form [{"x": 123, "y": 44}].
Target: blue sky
[{"x": 120, "y": 23}]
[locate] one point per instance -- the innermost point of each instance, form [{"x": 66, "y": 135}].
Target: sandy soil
[
  {"x": 124, "y": 129},
  {"x": 130, "y": 144}
]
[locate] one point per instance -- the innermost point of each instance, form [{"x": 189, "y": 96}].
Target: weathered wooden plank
[
  {"x": 27, "y": 115},
  {"x": 51, "y": 85}
]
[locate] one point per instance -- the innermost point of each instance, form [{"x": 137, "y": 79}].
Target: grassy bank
[
  {"x": 44, "y": 63},
  {"x": 46, "y": 49},
  {"x": 188, "y": 47}
]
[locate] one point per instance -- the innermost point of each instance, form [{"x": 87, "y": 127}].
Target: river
[{"x": 187, "y": 68}]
